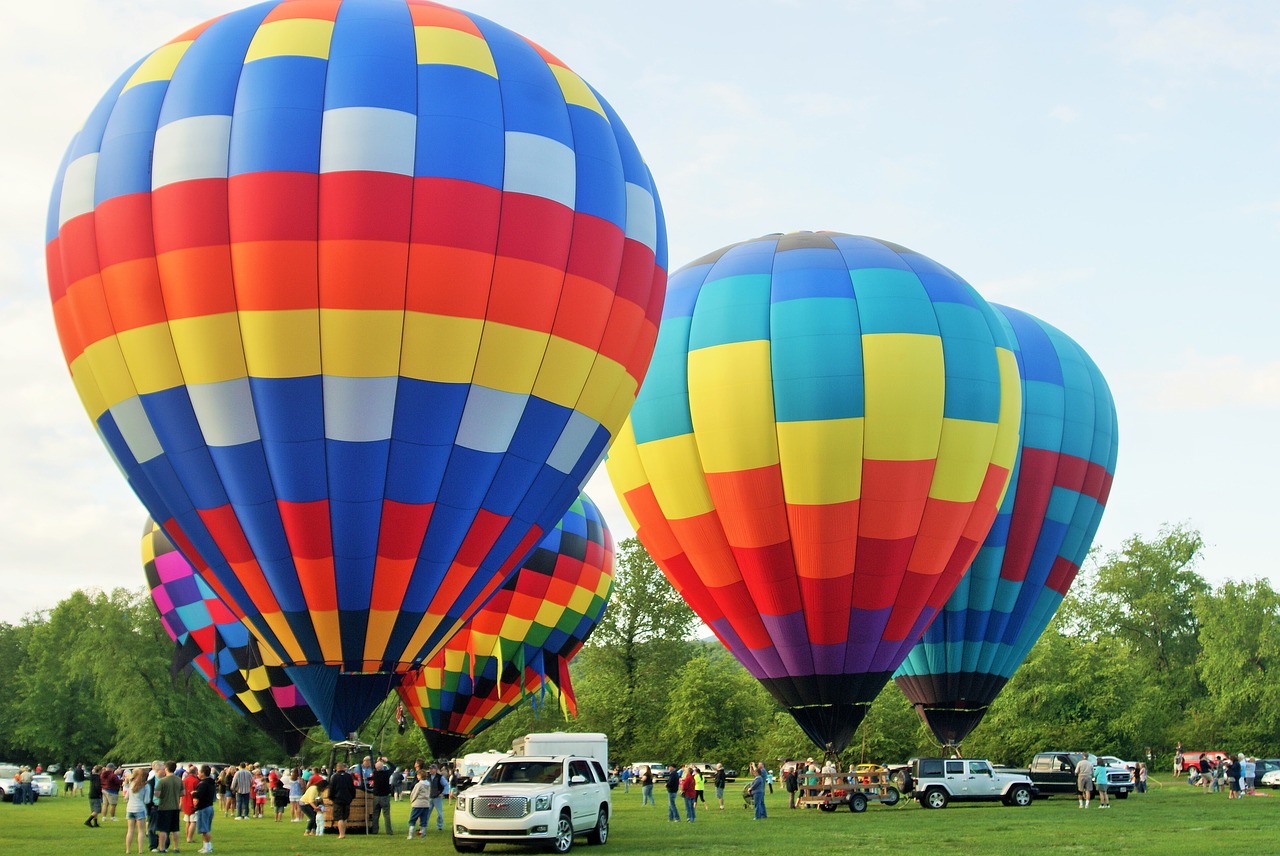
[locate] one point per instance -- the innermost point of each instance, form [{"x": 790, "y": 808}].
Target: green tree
[
  {"x": 715, "y": 709},
  {"x": 628, "y": 667},
  {"x": 1239, "y": 655}
]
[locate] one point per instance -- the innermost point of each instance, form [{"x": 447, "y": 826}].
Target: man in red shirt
[
  {"x": 110, "y": 791},
  {"x": 189, "y": 784}
]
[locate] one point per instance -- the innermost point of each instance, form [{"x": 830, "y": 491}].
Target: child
[
  {"x": 260, "y": 790},
  {"x": 419, "y": 805},
  {"x": 280, "y": 795}
]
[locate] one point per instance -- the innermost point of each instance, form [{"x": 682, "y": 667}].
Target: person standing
[
  {"x": 95, "y": 796},
  {"x": 380, "y": 781},
  {"x": 673, "y": 788},
  {"x": 1101, "y": 786},
  {"x": 110, "y": 791},
  {"x": 1084, "y": 781},
  {"x": 758, "y": 784},
  {"x": 419, "y": 805},
  {"x": 242, "y": 787},
  {"x": 342, "y": 791},
  {"x": 168, "y": 802},
  {"x": 79, "y": 779},
  {"x": 190, "y": 781},
  {"x": 719, "y": 784},
  {"x": 1232, "y": 767},
  {"x": 646, "y": 786},
  {"x": 69, "y": 782},
  {"x": 791, "y": 782},
  {"x": 438, "y": 787},
  {"x": 689, "y": 790},
  {"x": 203, "y": 801},
  {"x": 135, "y": 808},
  {"x": 295, "y": 795}
]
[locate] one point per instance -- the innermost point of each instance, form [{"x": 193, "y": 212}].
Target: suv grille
[{"x": 499, "y": 806}]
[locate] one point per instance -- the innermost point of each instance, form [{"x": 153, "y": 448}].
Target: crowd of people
[{"x": 1236, "y": 776}]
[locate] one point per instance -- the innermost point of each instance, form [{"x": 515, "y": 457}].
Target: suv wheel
[
  {"x": 1020, "y": 795},
  {"x": 563, "y": 842},
  {"x": 600, "y": 834},
  {"x": 935, "y": 798}
]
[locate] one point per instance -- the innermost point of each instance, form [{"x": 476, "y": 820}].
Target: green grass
[{"x": 1172, "y": 818}]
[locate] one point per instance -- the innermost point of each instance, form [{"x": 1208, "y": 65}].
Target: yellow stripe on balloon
[
  {"x": 281, "y": 343},
  {"x": 579, "y": 601},
  {"x": 87, "y": 388},
  {"x": 291, "y": 37},
  {"x": 378, "y": 633},
  {"x": 963, "y": 458},
  {"x": 159, "y": 66},
  {"x": 250, "y": 702},
  {"x": 674, "y": 469},
  {"x": 609, "y": 380},
  {"x": 149, "y": 352},
  {"x": 361, "y": 342},
  {"x": 626, "y": 472},
  {"x": 565, "y": 369},
  {"x": 509, "y": 357},
  {"x": 447, "y": 46},
  {"x": 1007, "y": 439},
  {"x": 731, "y": 403},
  {"x": 209, "y": 348},
  {"x": 106, "y": 362},
  {"x": 256, "y": 679},
  {"x": 821, "y": 460},
  {"x": 440, "y": 348},
  {"x": 575, "y": 89},
  {"x": 905, "y": 380}
]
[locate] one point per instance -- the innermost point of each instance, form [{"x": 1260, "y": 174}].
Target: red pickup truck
[{"x": 1192, "y": 760}]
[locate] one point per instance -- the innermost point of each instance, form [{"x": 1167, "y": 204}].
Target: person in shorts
[
  {"x": 135, "y": 810},
  {"x": 95, "y": 796},
  {"x": 168, "y": 799},
  {"x": 110, "y": 791},
  {"x": 203, "y": 800},
  {"x": 1084, "y": 781}
]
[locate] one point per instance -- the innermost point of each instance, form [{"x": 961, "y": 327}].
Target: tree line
[{"x": 1142, "y": 654}]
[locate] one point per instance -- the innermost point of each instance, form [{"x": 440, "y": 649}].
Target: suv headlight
[{"x": 542, "y": 802}]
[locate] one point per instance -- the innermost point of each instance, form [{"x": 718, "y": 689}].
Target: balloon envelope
[
  {"x": 1046, "y": 524},
  {"x": 819, "y": 449},
  {"x": 518, "y": 646},
  {"x": 356, "y": 293},
  {"x": 219, "y": 647}
]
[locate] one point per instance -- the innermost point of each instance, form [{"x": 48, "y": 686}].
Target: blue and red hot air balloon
[
  {"x": 1066, "y": 460},
  {"x": 356, "y": 293}
]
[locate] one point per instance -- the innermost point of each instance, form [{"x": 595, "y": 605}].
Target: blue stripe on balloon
[
  {"x": 279, "y": 111},
  {"x": 124, "y": 159},
  {"x": 461, "y": 131},
  {"x": 372, "y": 58},
  {"x": 205, "y": 80},
  {"x": 816, "y": 359}
]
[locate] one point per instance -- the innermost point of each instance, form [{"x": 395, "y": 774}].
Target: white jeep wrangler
[
  {"x": 535, "y": 800},
  {"x": 939, "y": 781}
]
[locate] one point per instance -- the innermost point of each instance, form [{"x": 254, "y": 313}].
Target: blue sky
[{"x": 1108, "y": 167}]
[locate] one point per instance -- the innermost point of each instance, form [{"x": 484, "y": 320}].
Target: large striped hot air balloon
[
  {"x": 356, "y": 293},
  {"x": 820, "y": 448},
  {"x": 518, "y": 646},
  {"x": 1066, "y": 459},
  {"x": 219, "y": 647}
]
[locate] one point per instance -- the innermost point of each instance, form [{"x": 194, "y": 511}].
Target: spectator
[
  {"x": 1084, "y": 781},
  {"x": 419, "y": 804},
  {"x": 190, "y": 781},
  {"x": 791, "y": 782},
  {"x": 168, "y": 799},
  {"x": 313, "y": 807},
  {"x": 689, "y": 790},
  {"x": 135, "y": 809},
  {"x": 295, "y": 795},
  {"x": 673, "y": 788},
  {"x": 80, "y": 777},
  {"x": 439, "y": 787},
  {"x": 719, "y": 784},
  {"x": 203, "y": 801},
  {"x": 242, "y": 787},
  {"x": 756, "y": 790},
  {"x": 69, "y": 782},
  {"x": 110, "y": 791},
  {"x": 342, "y": 790},
  {"x": 280, "y": 798},
  {"x": 95, "y": 797},
  {"x": 1103, "y": 789},
  {"x": 380, "y": 782},
  {"x": 646, "y": 786}
]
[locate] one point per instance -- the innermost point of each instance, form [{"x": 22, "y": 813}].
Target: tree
[
  {"x": 629, "y": 664},
  {"x": 715, "y": 709},
  {"x": 1239, "y": 656}
]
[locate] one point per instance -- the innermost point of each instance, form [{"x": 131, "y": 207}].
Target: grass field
[{"x": 1172, "y": 818}]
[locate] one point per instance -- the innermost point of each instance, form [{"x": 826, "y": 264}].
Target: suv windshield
[{"x": 524, "y": 772}]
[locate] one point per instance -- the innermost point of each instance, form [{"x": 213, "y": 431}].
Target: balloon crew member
[{"x": 342, "y": 790}]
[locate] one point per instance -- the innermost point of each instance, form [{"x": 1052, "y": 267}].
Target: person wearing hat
[{"x": 437, "y": 785}]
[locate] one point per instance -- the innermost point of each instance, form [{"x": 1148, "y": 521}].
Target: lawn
[{"x": 1172, "y": 818}]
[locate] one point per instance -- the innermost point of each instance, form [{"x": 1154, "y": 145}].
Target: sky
[{"x": 1109, "y": 167}]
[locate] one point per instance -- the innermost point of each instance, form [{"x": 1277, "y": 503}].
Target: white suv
[{"x": 535, "y": 800}]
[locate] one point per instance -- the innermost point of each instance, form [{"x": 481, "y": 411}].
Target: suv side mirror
[{"x": 578, "y": 779}]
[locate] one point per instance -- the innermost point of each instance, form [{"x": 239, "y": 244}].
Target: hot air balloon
[
  {"x": 356, "y": 293},
  {"x": 820, "y": 448},
  {"x": 219, "y": 647},
  {"x": 1050, "y": 513},
  {"x": 518, "y": 646}
]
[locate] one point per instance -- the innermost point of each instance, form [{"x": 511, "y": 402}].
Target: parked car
[
  {"x": 1265, "y": 766},
  {"x": 940, "y": 781},
  {"x": 1191, "y": 760},
  {"x": 1054, "y": 773},
  {"x": 537, "y": 800},
  {"x": 1270, "y": 779},
  {"x": 44, "y": 785}
]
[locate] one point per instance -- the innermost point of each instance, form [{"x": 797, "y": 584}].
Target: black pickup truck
[{"x": 1055, "y": 773}]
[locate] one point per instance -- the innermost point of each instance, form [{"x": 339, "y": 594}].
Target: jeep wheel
[
  {"x": 468, "y": 846},
  {"x": 1020, "y": 795},
  {"x": 600, "y": 834},
  {"x": 891, "y": 796},
  {"x": 857, "y": 803},
  {"x": 935, "y": 798},
  {"x": 563, "y": 842}
]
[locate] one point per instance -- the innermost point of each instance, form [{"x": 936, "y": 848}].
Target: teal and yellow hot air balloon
[{"x": 822, "y": 443}]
